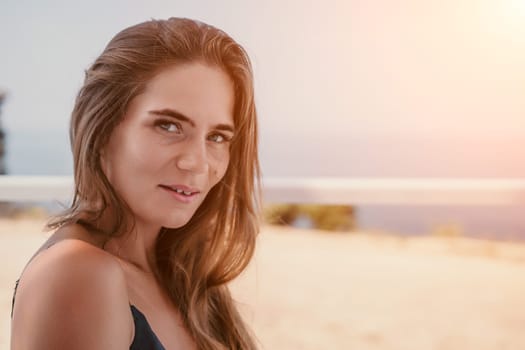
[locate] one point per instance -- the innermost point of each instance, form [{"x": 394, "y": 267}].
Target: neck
[{"x": 136, "y": 245}]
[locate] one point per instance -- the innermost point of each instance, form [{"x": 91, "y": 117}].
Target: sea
[{"x": 49, "y": 154}]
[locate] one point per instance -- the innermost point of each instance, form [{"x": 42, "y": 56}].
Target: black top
[{"x": 144, "y": 339}]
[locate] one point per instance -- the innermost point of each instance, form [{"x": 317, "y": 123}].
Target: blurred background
[{"x": 404, "y": 89}]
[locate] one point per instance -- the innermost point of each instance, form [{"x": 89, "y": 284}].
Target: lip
[
  {"x": 184, "y": 188},
  {"x": 181, "y": 197}
]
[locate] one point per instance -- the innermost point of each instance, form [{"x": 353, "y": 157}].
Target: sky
[{"x": 355, "y": 88}]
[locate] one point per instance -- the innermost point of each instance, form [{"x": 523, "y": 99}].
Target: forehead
[{"x": 198, "y": 90}]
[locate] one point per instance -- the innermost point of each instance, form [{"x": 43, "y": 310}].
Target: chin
[{"x": 176, "y": 222}]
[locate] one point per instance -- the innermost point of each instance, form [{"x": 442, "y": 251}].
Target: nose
[{"x": 193, "y": 158}]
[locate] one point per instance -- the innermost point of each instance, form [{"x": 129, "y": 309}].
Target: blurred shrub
[
  {"x": 7, "y": 209},
  {"x": 323, "y": 217},
  {"x": 280, "y": 214},
  {"x": 448, "y": 230},
  {"x": 11, "y": 210}
]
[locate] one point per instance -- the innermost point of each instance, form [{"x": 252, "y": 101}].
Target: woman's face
[{"x": 173, "y": 144}]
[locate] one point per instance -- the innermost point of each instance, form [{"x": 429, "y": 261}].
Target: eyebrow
[{"x": 168, "y": 112}]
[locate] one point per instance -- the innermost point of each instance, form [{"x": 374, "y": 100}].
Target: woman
[{"x": 164, "y": 140}]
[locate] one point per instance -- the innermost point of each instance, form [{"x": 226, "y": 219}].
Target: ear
[
  {"x": 102, "y": 156},
  {"x": 103, "y": 162}
]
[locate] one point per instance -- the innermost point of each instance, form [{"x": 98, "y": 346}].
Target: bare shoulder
[{"x": 72, "y": 295}]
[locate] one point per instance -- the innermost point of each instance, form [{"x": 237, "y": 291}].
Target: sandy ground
[{"x": 315, "y": 290}]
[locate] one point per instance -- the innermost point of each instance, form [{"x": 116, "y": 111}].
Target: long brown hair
[{"x": 195, "y": 261}]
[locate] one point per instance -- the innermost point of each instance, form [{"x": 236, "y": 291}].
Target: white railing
[{"x": 355, "y": 191}]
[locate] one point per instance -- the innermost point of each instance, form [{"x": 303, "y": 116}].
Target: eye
[
  {"x": 219, "y": 138},
  {"x": 169, "y": 126}
]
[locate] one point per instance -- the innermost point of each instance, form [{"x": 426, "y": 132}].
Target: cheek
[
  {"x": 126, "y": 161},
  {"x": 220, "y": 163}
]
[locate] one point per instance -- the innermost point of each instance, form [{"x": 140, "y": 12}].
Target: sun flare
[
  {"x": 518, "y": 7},
  {"x": 505, "y": 19}
]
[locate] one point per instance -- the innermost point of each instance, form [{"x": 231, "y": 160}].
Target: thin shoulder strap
[
  {"x": 14, "y": 295},
  {"x": 18, "y": 280},
  {"x": 81, "y": 222}
]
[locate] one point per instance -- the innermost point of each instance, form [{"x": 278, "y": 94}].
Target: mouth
[{"x": 181, "y": 190}]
